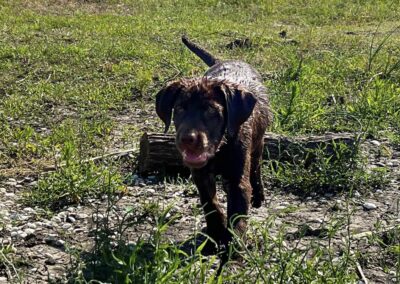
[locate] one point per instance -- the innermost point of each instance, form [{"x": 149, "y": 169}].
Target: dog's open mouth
[{"x": 194, "y": 159}]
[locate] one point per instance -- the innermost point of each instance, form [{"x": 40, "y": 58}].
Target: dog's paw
[{"x": 210, "y": 248}]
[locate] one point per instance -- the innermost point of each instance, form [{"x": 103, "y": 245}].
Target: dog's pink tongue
[{"x": 192, "y": 157}]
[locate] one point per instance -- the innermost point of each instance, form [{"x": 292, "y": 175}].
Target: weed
[
  {"x": 73, "y": 182},
  {"x": 74, "y": 73},
  {"x": 321, "y": 170},
  {"x": 6, "y": 262},
  {"x": 154, "y": 259}
]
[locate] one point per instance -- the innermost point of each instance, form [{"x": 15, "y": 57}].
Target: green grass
[
  {"x": 268, "y": 259},
  {"x": 72, "y": 63},
  {"x": 321, "y": 170},
  {"x": 78, "y": 78}
]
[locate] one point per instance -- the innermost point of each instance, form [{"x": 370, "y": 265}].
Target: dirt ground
[{"x": 44, "y": 247}]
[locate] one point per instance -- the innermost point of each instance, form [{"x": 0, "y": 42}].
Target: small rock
[
  {"x": 280, "y": 207},
  {"x": 50, "y": 237},
  {"x": 29, "y": 231},
  {"x": 375, "y": 143},
  {"x": 53, "y": 241},
  {"x": 50, "y": 261},
  {"x": 62, "y": 215},
  {"x": 369, "y": 206},
  {"x": 98, "y": 217},
  {"x": 9, "y": 194},
  {"x": 336, "y": 260},
  {"x": 3, "y": 190},
  {"x": 24, "y": 217},
  {"x": 338, "y": 206},
  {"x": 29, "y": 210},
  {"x": 22, "y": 234},
  {"x": 47, "y": 224},
  {"x": 79, "y": 230},
  {"x": 14, "y": 234},
  {"x": 71, "y": 219},
  {"x": 56, "y": 219},
  {"x": 150, "y": 190},
  {"x": 66, "y": 226},
  {"x": 356, "y": 194},
  {"x": 14, "y": 216},
  {"x": 81, "y": 216}
]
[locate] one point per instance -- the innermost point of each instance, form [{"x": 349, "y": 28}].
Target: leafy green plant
[
  {"x": 74, "y": 181},
  {"x": 320, "y": 170},
  {"x": 6, "y": 262},
  {"x": 155, "y": 259}
]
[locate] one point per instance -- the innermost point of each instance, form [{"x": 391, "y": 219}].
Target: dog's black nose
[{"x": 189, "y": 139}]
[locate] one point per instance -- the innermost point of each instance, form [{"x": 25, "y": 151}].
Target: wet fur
[{"x": 228, "y": 111}]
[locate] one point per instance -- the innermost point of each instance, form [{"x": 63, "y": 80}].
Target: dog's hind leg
[{"x": 255, "y": 177}]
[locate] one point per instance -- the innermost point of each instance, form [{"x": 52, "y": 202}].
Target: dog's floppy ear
[
  {"x": 239, "y": 106},
  {"x": 165, "y": 100}
]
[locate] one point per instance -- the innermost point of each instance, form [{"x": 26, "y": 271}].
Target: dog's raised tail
[{"x": 207, "y": 57}]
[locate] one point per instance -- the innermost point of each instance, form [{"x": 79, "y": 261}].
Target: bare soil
[{"x": 49, "y": 251}]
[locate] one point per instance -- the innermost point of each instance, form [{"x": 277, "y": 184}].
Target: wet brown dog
[{"x": 220, "y": 120}]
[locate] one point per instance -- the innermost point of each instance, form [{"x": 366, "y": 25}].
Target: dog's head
[{"x": 203, "y": 110}]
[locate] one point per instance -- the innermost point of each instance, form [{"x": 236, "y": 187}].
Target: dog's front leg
[
  {"x": 239, "y": 195},
  {"x": 204, "y": 179},
  {"x": 239, "y": 191}
]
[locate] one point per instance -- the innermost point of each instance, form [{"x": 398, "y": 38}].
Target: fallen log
[{"x": 158, "y": 152}]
